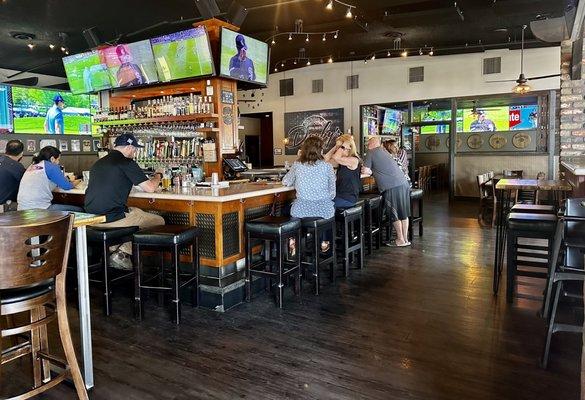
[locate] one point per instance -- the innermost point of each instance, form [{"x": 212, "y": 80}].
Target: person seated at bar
[
  {"x": 399, "y": 155},
  {"x": 111, "y": 180},
  {"x": 40, "y": 179},
  {"x": 314, "y": 182},
  {"x": 11, "y": 171},
  {"x": 393, "y": 185},
  {"x": 343, "y": 156}
]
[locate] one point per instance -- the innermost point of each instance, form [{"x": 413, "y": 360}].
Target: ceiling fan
[{"x": 522, "y": 81}]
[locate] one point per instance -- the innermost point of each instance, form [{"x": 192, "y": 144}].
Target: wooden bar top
[
  {"x": 533, "y": 184},
  {"x": 575, "y": 168},
  {"x": 220, "y": 195}
]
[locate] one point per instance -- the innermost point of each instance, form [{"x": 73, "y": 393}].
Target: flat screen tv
[
  {"x": 392, "y": 121},
  {"x": 243, "y": 57},
  {"x": 184, "y": 54},
  {"x": 31, "y": 106},
  {"x": 6, "y": 125},
  {"x": 130, "y": 64},
  {"x": 86, "y": 73}
]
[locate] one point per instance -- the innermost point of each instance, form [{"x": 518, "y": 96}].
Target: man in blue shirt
[
  {"x": 11, "y": 171},
  {"x": 54, "y": 121},
  {"x": 241, "y": 67}
]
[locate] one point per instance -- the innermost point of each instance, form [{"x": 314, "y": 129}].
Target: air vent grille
[
  {"x": 353, "y": 82},
  {"x": 492, "y": 65},
  {"x": 317, "y": 85},
  {"x": 286, "y": 87},
  {"x": 416, "y": 74}
]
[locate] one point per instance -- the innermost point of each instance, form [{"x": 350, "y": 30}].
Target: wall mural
[{"x": 298, "y": 126}]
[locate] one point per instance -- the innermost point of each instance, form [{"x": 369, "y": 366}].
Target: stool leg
[
  {"x": 44, "y": 345},
  {"x": 317, "y": 246},
  {"x": 248, "y": 268},
  {"x": 345, "y": 247},
  {"x": 106, "y": 282},
  {"x": 195, "y": 264},
  {"x": 379, "y": 232},
  {"x": 511, "y": 267},
  {"x": 35, "y": 347},
  {"x": 138, "y": 307},
  {"x": 552, "y": 267},
  {"x": 280, "y": 283},
  {"x": 420, "y": 215},
  {"x": 370, "y": 234},
  {"x": 551, "y": 324},
  {"x": 299, "y": 265},
  {"x": 361, "y": 249},
  {"x": 334, "y": 253},
  {"x": 267, "y": 265},
  {"x": 161, "y": 277},
  {"x": 176, "y": 300}
]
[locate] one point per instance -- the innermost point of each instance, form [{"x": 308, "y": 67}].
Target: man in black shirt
[
  {"x": 11, "y": 171},
  {"x": 111, "y": 180}
]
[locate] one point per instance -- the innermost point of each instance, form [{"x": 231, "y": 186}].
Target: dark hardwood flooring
[{"x": 417, "y": 323}]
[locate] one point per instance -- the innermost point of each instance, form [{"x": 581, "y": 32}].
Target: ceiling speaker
[
  {"x": 207, "y": 8},
  {"x": 92, "y": 37},
  {"x": 236, "y": 14}
]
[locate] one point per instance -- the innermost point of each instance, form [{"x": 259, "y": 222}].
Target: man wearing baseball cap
[
  {"x": 111, "y": 180},
  {"x": 54, "y": 123},
  {"x": 241, "y": 67}
]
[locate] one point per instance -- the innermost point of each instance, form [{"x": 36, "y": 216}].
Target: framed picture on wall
[
  {"x": 76, "y": 145},
  {"x": 87, "y": 145},
  {"x": 31, "y": 146},
  {"x": 97, "y": 144},
  {"x": 48, "y": 142},
  {"x": 64, "y": 145}
]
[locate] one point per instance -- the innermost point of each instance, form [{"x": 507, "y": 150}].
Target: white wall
[{"x": 386, "y": 81}]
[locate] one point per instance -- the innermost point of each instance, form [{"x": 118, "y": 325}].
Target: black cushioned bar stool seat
[
  {"x": 533, "y": 209},
  {"x": 313, "y": 230},
  {"x": 350, "y": 235},
  {"x": 277, "y": 231},
  {"x": 372, "y": 214},
  {"x": 531, "y": 226},
  {"x": 106, "y": 238},
  {"x": 416, "y": 197},
  {"x": 171, "y": 238},
  {"x": 10, "y": 296}
]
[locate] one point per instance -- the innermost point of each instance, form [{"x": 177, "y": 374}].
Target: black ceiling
[{"x": 436, "y": 23}]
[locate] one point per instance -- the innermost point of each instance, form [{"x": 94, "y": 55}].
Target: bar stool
[
  {"x": 532, "y": 209},
  {"x": 277, "y": 231},
  {"x": 570, "y": 271},
  {"x": 535, "y": 226},
  {"x": 172, "y": 238},
  {"x": 104, "y": 238},
  {"x": 312, "y": 230},
  {"x": 350, "y": 235},
  {"x": 33, "y": 268},
  {"x": 416, "y": 195},
  {"x": 372, "y": 211}
]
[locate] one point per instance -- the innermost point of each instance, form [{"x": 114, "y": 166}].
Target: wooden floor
[{"x": 417, "y": 323}]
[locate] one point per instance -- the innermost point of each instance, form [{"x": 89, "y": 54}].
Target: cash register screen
[{"x": 236, "y": 164}]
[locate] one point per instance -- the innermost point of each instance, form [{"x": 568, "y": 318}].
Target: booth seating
[
  {"x": 416, "y": 197},
  {"x": 173, "y": 239},
  {"x": 372, "y": 210},
  {"x": 101, "y": 239},
  {"x": 566, "y": 272},
  {"x": 314, "y": 230},
  {"x": 277, "y": 231},
  {"x": 532, "y": 226},
  {"x": 350, "y": 236}
]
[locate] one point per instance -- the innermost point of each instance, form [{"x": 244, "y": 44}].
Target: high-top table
[{"x": 504, "y": 188}]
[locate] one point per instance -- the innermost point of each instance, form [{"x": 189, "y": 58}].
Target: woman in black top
[{"x": 343, "y": 156}]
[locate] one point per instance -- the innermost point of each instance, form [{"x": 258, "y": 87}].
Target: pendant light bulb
[
  {"x": 273, "y": 41},
  {"x": 290, "y": 36},
  {"x": 307, "y": 38},
  {"x": 336, "y": 35},
  {"x": 431, "y": 53},
  {"x": 330, "y": 60},
  {"x": 348, "y": 14},
  {"x": 329, "y": 5},
  {"x": 308, "y": 62},
  {"x": 324, "y": 37}
]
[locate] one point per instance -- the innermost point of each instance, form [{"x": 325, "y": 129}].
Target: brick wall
[{"x": 572, "y": 110}]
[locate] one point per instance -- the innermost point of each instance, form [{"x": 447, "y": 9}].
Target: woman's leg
[
  {"x": 342, "y": 203},
  {"x": 400, "y": 238}
]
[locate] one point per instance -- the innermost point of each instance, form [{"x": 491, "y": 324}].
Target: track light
[
  {"x": 31, "y": 45},
  {"x": 273, "y": 41},
  {"x": 431, "y": 53},
  {"x": 51, "y": 46},
  {"x": 67, "y": 52},
  {"x": 366, "y": 61},
  {"x": 404, "y": 53},
  {"x": 290, "y": 36},
  {"x": 282, "y": 64},
  {"x": 373, "y": 57},
  {"x": 420, "y": 52},
  {"x": 307, "y": 39},
  {"x": 329, "y": 5},
  {"x": 308, "y": 62},
  {"x": 63, "y": 49},
  {"x": 295, "y": 62},
  {"x": 388, "y": 54},
  {"x": 324, "y": 37},
  {"x": 275, "y": 69},
  {"x": 336, "y": 35},
  {"x": 330, "y": 60},
  {"x": 348, "y": 14}
]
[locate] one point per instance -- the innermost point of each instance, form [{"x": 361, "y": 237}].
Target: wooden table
[
  {"x": 504, "y": 187},
  {"x": 81, "y": 221}
]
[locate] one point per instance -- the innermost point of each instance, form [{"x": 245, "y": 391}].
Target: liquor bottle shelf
[{"x": 161, "y": 120}]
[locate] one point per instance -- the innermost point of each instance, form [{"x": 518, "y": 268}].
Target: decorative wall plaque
[
  {"x": 497, "y": 141},
  {"x": 475, "y": 141},
  {"x": 521, "y": 140},
  {"x": 433, "y": 142},
  {"x": 459, "y": 142}
]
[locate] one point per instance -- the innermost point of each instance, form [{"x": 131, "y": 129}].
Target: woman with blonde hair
[{"x": 343, "y": 156}]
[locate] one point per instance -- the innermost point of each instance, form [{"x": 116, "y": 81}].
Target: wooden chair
[
  {"x": 487, "y": 196},
  {"x": 35, "y": 247}
]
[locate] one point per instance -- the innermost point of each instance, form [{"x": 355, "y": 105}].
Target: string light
[
  {"x": 324, "y": 37},
  {"x": 348, "y": 14},
  {"x": 282, "y": 64},
  {"x": 295, "y": 62},
  {"x": 63, "y": 49},
  {"x": 329, "y": 5},
  {"x": 336, "y": 35},
  {"x": 290, "y": 36},
  {"x": 431, "y": 53},
  {"x": 51, "y": 46},
  {"x": 420, "y": 52},
  {"x": 307, "y": 39},
  {"x": 275, "y": 69},
  {"x": 67, "y": 52},
  {"x": 273, "y": 41}
]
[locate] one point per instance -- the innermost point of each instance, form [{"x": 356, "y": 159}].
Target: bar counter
[
  {"x": 575, "y": 174},
  {"x": 221, "y": 215}
]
